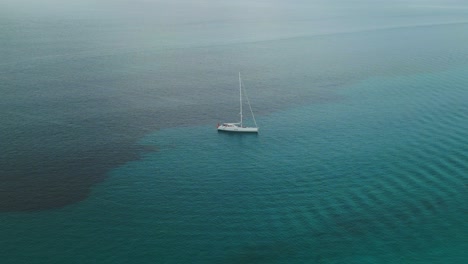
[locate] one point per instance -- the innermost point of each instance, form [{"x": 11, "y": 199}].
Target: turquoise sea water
[{"x": 110, "y": 152}]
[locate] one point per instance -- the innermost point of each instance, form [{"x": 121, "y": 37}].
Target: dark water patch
[{"x": 39, "y": 182}]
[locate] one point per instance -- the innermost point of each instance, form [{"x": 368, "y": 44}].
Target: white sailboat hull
[{"x": 237, "y": 129}]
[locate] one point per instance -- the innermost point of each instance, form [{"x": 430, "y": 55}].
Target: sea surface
[{"x": 109, "y": 151}]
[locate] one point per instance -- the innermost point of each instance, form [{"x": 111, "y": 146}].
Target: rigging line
[{"x": 248, "y": 102}]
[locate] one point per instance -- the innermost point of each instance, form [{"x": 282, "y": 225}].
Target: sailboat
[{"x": 239, "y": 126}]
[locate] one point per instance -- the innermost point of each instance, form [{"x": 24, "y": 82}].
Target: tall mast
[{"x": 240, "y": 96}]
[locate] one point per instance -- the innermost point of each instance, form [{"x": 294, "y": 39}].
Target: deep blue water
[{"x": 110, "y": 152}]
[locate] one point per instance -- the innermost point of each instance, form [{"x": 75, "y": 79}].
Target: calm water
[{"x": 110, "y": 153}]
